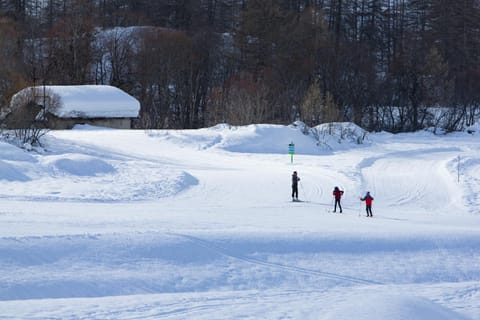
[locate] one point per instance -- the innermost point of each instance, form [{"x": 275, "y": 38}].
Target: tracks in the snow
[{"x": 225, "y": 252}]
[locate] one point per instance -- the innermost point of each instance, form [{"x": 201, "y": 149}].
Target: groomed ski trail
[{"x": 224, "y": 252}]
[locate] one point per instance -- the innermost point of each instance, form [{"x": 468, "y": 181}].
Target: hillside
[{"x": 199, "y": 224}]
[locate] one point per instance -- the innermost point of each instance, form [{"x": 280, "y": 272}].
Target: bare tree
[
  {"x": 11, "y": 72},
  {"x": 247, "y": 102},
  {"x": 70, "y": 54},
  {"x": 114, "y": 63},
  {"x": 28, "y": 113}
]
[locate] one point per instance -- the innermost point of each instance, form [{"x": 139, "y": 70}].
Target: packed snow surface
[{"x": 199, "y": 224}]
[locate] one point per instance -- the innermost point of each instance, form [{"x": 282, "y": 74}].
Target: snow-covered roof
[{"x": 91, "y": 101}]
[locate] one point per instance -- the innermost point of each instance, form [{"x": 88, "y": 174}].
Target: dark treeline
[{"x": 397, "y": 65}]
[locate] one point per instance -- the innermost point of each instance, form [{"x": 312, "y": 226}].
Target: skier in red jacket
[
  {"x": 368, "y": 203},
  {"x": 337, "y": 193}
]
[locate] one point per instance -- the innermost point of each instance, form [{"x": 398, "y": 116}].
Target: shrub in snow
[
  {"x": 474, "y": 128},
  {"x": 334, "y": 133}
]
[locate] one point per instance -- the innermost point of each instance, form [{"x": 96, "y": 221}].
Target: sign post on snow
[{"x": 291, "y": 151}]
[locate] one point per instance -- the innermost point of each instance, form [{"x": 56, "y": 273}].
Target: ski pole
[
  {"x": 360, "y": 208},
  {"x": 301, "y": 187}
]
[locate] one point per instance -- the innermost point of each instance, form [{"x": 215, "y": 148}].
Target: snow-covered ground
[{"x": 198, "y": 224}]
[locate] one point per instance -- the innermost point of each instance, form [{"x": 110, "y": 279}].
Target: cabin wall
[{"x": 68, "y": 123}]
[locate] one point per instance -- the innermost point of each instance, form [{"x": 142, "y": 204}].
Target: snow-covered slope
[{"x": 198, "y": 224}]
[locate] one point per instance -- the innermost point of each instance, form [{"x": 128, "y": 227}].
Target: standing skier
[
  {"x": 337, "y": 193},
  {"x": 295, "y": 180},
  {"x": 368, "y": 203}
]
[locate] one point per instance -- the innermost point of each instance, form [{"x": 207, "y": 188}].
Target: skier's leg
[{"x": 339, "y": 205}]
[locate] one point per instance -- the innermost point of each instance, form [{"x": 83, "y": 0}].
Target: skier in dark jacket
[
  {"x": 337, "y": 193},
  {"x": 295, "y": 180},
  {"x": 368, "y": 203}
]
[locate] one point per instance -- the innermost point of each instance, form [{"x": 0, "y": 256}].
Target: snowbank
[
  {"x": 12, "y": 153},
  {"x": 269, "y": 138},
  {"x": 12, "y": 163},
  {"x": 87, "y": 176},
  {"x": 275, "y": 138},
  {"x": 80, "y": 165},
  {"x": 380, "y": 307},
  {"x": 12, "y": 172}
]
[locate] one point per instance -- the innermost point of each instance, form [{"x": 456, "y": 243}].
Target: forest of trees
[{"x": 396, "y": 65}]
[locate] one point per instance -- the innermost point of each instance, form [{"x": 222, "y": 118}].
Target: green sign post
[{"x": 291, "y": 151}]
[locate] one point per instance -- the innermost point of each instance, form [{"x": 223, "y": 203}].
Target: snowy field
[{"x": 199, "y": 224}]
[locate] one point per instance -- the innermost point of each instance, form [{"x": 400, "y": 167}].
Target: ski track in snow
[
  {"x": 412, "y": 174},
  {"x": 118, "y": 264},
  {"x": 224, "y": 251},
  {"x": 469, "y": 176}
]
